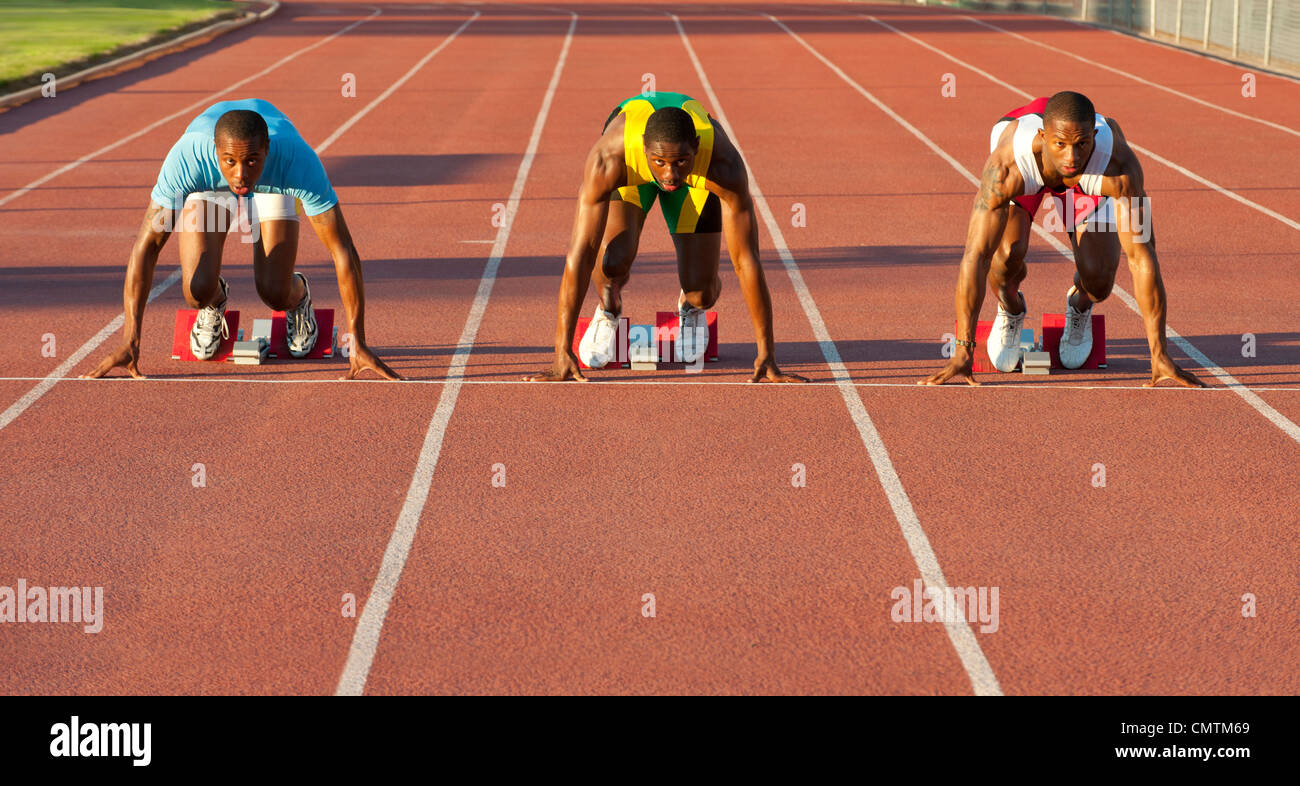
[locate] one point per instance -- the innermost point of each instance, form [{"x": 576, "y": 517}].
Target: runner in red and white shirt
[{"x": 1062, "y": 147}]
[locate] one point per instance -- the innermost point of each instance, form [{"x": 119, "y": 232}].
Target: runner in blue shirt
[{"x": 242, "y": 163}]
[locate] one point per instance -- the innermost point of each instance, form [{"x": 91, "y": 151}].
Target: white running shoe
[
  {"x": 600, "y": 343},
  {"x": 1004, "y": 337},
  {"x": 693, "y": 332},
  {"x": 210, "y": 327},
  {"x": 300, "y": 324},
  {"x": 1076, "y": 341}
]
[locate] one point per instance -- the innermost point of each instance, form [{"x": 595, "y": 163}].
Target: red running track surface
[{"x": 658, "y": 482}]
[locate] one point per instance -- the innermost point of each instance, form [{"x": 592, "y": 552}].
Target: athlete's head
[
  {"x": 242, "y": 142},
  {"x": 1068, "y": 130},
  {"x": 670, "y": 146}
]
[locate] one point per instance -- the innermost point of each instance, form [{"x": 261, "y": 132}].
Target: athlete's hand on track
[
  {"x": 126, "y": 355},
  {"x": 1163, "y": 367},
  {"x": 767, "y": 370},
  {"x": 565, "y": 367},
  {"x": 961, "y": 367},
  {"x": 362, "y": 358}
]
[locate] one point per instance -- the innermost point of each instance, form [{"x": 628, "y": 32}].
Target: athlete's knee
[
  {"x": 1014, "y": 255},
  {"x": 276, "y": 291},
  {"x": 616, "y": 260},
  {"x": 704, "y": 298},
  {"x": 713, "y": 293},
  {"x": 201, "y": 289},
  {"x": 1097, "y": 285},
  {"x": 1009, "y": 261}
]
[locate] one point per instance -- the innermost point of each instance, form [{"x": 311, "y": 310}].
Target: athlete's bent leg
[
  {"x": 201, "y": 237},
  {"x": 205, "y": 220},
  {"x": 1005, "y": 274},
  {"x": 1096, "y": 258},
  {"x": 697, "y": 267},
  {"x": 273, "y": 259},
  {"x": 617, "y": 251},
  {"x": 1008, "y": 269}
]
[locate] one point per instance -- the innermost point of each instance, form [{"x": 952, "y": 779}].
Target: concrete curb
[{"x": 219, "y": 28}]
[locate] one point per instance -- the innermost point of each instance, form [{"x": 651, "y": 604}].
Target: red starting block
[
  {"x": 981, "y": 364},
  {"x": 667, "y": 328},
  {"x": 1054, "y": 328},
  {"x": 620, "y": 359},
  {"x": 185, "y": 323},
  {"x": 324, "y": 335}
]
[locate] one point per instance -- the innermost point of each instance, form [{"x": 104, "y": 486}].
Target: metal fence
[{"x": 1264, "y": 32}]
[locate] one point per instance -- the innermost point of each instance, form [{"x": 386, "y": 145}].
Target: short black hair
[
  {"x": 672, "y": 125},
  {"x": 1070, "y": 107},
  {"x": 243, "y": 125}
]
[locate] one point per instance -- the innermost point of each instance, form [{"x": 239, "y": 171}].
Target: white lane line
[
  {"x": 379, "y": 99},
  {"x": 977, "y": 667},
  {"x": 657, "y": 381},
  {"x": 694, "y": 380},
  {"x": 1135, "y": 78},
  {"x": 365, "y": 639},
  {"x": 1149, "y": 153},
  {"x": 1275, "y": 417},
  {"x": 1170, "y": 45},
  {"x": 47, "y": 382},
  {"x": 99, "y": 338},
  {"x": 205, "y": 101},
  {"x": 1273, "y": 214}
]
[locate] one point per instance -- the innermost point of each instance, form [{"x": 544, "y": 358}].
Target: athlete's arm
[
  {"x": 333, "y": 232},
  {"x": 602, "y": 175},
  {"x": 154, "y": 231},
  {"x": 1137, "y": 237},
  {"x": 1000, "y": 183},
  {"x": 740, "y": 229}
]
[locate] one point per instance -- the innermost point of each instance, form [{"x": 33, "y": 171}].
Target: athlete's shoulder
[
  {"x": 606, "y": 168},
  {"x": 1121, "y": 155},
  {"x": 1004, "y": 152},
  {"x": 1123, "y": 175},
  {"x": 1005, "y": 143},
  {"x": 726, "y": 166},
  {"x": 1001, "y": 180}
]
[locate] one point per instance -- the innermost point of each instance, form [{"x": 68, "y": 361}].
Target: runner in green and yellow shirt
[{"x": 662, "y": 146}]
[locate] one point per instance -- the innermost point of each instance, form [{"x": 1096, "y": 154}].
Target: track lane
[
  {"x": 536, "y": 586},
  {"x": 784, "y": 612},
  {"x": 173, "y": 586},
  {"x": 982, "y": 490}
]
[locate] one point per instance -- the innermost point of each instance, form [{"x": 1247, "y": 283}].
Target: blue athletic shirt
[{"x": 292, "y": 167}]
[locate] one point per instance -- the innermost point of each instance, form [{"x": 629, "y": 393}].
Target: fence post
[
  {"x": 1153, "y": 18},
  {"x": 1083, "y": 12},
  {"x": 1236, "y": 25},
  {"x": 1205, "y": 36},
  {"x": 1268, "y": 32},
  {"x": 1178, "y": 24},
  {"x": 1110, "y": 12}
]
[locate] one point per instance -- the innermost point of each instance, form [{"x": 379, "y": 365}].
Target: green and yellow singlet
[{"x": 687, "y": 210}]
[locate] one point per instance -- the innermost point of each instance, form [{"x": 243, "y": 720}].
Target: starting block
[
  {"x": 249, "y": 353},
  {"x": 982, "y": 364},
  {"x": 642, "y": 349},
  {"x": 1027, "y": 341},
  {"x": 1054, "y": 328},
  {"x": 185, "y": 323},
  {"x": 667, "y": 329},
  {"x": 620, "y": 357},
  {"x": 1036, "y": 363},
  {"x": 279, "y": 335}
]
